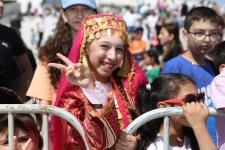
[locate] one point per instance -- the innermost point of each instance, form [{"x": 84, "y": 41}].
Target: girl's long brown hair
[{"x": 59, "y": 42}]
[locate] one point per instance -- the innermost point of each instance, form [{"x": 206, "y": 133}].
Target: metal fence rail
[
  {"x": 45, "y": 110},
  {"x": 159, "y": 113}
]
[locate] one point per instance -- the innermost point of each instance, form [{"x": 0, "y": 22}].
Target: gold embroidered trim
[
  {"x": 132, "y": 73},
  {"x": 124, "y": 101},
  {"x": 107, "y": 108},
  {"x": 97, "y": 27}
]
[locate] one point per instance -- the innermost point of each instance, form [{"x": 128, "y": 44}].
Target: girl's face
[
  {"x": 23, "y": 140},
  {"x": 106, "y": 55},
  {"x": 164, "y": 36},
  {"x": 75, "y": 14}
]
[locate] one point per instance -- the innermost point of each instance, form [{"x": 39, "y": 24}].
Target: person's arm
[
  {"x": 202, "y": 135},
  {"x": 196, "y": 115},
  {"x": 26, "y": 74}
]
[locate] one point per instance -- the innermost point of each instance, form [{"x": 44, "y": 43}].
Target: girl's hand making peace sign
[{"x": 76, "y": 73}]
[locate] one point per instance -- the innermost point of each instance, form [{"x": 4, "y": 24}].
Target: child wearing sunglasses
[
  {"x": 175, "y": 90},
  {"x": 216, "y": 92}
]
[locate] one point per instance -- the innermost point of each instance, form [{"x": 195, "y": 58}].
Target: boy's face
[
  {"x": 138, "y": 34},
  {"x": 202, "y": 37}
]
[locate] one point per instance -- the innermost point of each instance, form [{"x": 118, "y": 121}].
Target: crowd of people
[{"x": 108, "y": 69}]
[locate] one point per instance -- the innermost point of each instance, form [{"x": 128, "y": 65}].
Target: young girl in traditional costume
[{"x": 103, "y": 82}]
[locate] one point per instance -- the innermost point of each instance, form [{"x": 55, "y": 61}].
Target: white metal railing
[
  {"x": 159, "y": 113},
  {"x": 45, "y": 110}
]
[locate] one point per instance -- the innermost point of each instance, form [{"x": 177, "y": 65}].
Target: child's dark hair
[
  {"x": 203, "y": 13},
  {"x": 138, "y": 29},
  {"x": 154, "y": 54},
  {"x": 164, "y": 87},
  {"x": 220, "y": 56}
]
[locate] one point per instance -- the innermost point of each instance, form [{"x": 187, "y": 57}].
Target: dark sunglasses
[{"x": 187, "y": 99}]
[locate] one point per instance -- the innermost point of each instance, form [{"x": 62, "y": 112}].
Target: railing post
[
  {"x": 45, "y": 131},
  {"x": 166, "y": 124},
  {"x": 10, "y": 130}
]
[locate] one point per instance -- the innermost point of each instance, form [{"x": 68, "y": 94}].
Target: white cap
[{"x": 67, "y": 3}]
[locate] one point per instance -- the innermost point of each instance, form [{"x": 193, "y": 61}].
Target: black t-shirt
[
  {"x": 11, "y": 40},
  {"x": 5, "y": 66},
  {"x": 10, "y": 45}
]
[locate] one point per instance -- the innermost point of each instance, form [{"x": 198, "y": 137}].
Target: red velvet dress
[{"x": 101, "y": 128}]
